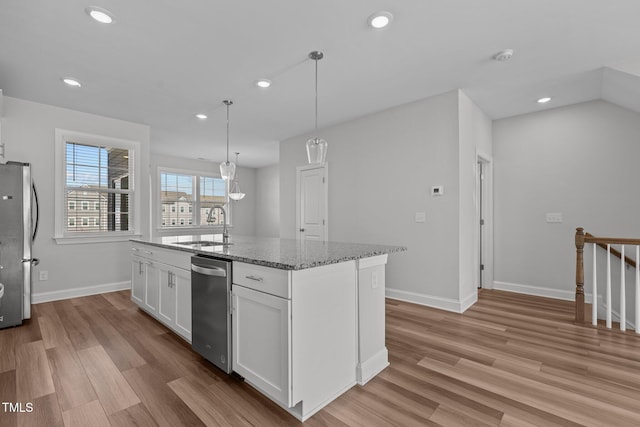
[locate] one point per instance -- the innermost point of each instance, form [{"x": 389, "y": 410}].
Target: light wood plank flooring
[{"x": 510, "y": 360}]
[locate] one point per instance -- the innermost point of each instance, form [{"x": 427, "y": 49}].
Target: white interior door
[{"x": 311, "y": 218}]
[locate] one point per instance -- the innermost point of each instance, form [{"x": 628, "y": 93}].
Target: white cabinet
[
  {"x": 138, "y": 279},
  {"x": 161, "y": 285},
  {"x": 261, "y": 341},
  {"x": 166, "y": 294},
  {"x": 151, "y": 288},
  {"x": 294, "y": 333},
  {"x": 174, "y": 298}
]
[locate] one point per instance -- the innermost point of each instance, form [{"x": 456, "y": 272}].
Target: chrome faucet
[{"x": 225, "y": 231}]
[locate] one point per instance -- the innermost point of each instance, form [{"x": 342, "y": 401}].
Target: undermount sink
[{"x": 203, "y": 243}]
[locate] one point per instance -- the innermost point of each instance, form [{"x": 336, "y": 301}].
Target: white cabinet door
[
  {"x": 182, "y": 288},
  {"x": 261, "y": 331},
  {"x": 138, "y": 279},
  {"x": 151, "y": 288},
  {"x": 167, "y": 294}
]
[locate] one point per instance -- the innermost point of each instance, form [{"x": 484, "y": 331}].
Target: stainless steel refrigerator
[{"x": 17, "y": 231}]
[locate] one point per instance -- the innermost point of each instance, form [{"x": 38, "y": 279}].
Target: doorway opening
[{"x": 484, "y": 216}]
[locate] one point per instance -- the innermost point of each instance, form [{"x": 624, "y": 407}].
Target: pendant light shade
[
  {"x": 227, "y": 169},
  {"x": 316, "y": 147},
  {"x": 235, "y": 193}
]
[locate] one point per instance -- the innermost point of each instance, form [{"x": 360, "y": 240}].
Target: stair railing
[{"x": 583, "y": 238}]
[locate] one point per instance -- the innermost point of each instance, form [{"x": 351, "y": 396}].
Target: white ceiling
[{"x": 162, "y": 61}]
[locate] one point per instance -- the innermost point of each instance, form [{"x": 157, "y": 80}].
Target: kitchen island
[{"x": 308, "y": 317}]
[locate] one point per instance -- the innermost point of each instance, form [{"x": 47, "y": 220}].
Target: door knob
[{"x": 302, "y": 229}]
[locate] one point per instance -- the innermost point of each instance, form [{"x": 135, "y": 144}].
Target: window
[
  {"x": 95, "y": 175},
  {"x": 190, "y": 197}
]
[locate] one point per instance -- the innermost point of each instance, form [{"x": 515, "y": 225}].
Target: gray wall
[
  {"x": 267, "y": 215},
  {"x": 381, "y": 170},
  {"x": 28, "y": 132},
  {"x": 243, "y": 211},
  {"x": 580, "y": 160}
]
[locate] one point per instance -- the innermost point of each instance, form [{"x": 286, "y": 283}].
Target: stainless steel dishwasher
[{"x": 211, "y": 310}]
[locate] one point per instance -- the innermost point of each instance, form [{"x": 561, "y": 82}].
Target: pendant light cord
[
  {"x": 316, "y": 94},
  {"x": 228, "y": 103}
]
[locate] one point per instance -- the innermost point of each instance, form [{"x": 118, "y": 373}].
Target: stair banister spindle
[
  {"x": 623, "y": 295},
  {"x": 637, "y": 289},
  {"x": 594, "y": 297},
  {"x": 579, "y": 239},
  {"x": 608, "y": 286}
]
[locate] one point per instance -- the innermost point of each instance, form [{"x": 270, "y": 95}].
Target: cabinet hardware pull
[
  {"x": 148, "y": 252},
  {"x": 257, "y": 279},
  {"x": 135, "y": 249}
]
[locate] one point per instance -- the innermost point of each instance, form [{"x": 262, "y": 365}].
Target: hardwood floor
[{"x": 510, "y": 360}]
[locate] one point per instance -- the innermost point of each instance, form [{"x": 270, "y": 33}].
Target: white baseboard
[
  {"x": 79, "y": 292},
  {"x": 535, "y": 290},
  {"x": 468, "y": 301},
  {"x": 372, "y": 367},
  {"x": 446, "y": 304}
]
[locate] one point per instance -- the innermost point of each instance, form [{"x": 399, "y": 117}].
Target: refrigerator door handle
[{"x": 35, "y": 228}]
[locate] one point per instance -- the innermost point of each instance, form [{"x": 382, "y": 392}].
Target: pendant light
[
  {"x": 316, "y": 147},
  {"x": 227, "y": 169},
  {"x": 235, "y": 192}
]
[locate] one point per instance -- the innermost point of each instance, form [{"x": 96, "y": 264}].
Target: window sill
[
  {"x": 108, "y": 238},
  {"x": 190, "y": 230}
]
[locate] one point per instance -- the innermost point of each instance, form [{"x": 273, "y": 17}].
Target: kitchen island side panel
[{"x": 324, "y": 334}]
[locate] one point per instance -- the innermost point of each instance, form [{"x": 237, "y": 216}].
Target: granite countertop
[{"x": 285, "y": 254}]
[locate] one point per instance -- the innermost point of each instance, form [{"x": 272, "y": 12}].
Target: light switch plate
[{"x": 554, "y": 217}]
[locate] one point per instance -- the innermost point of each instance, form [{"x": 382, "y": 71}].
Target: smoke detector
[{"x": 503, "y": 55}]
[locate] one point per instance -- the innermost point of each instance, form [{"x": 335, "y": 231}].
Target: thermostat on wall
[{"x": 437, "y": 190}]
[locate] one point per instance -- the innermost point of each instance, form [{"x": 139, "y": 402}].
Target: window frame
[
  {"x": 195, "y": 175},
  {"x": 61, "y": 234}
]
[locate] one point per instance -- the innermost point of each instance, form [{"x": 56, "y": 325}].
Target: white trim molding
[
  {"x": 534, "y": 290},
  {"x": 41, "y": 297},
  {"x": 446, "y": 304}
]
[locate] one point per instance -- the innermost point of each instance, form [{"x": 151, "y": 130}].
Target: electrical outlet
[
  {"x": 374, "y": 280},
  {"x": 421, "y": 216},
  {"x": 44, "y": 275}
]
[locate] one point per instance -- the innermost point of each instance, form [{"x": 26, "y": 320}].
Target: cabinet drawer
[
  {"x": 176, "y": 258},
  {"x": 265, "y": 279}
]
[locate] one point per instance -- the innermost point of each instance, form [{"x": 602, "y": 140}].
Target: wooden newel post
[{"x": 579, "y": 275}]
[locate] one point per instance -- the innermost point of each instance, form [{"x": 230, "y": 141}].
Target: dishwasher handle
[{"x": 209, "y": 271}]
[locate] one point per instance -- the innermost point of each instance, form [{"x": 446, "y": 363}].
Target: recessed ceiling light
[
  {"x": 263, "y": 83},
  {"x": 201, "y": 116},
  {"x": 544, "y": 100},
  {"x": 99, "y": 14},
  {"x": 71, "y": 82},
  {"x": 380, "y": 19}
]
